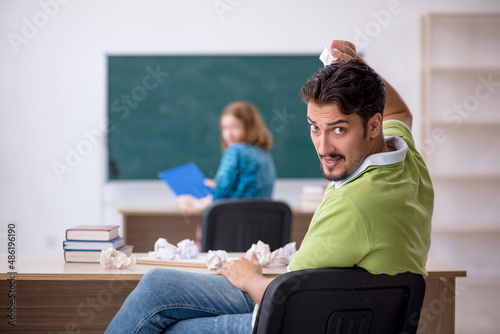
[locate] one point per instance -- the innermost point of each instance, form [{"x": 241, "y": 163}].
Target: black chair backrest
[
  {"x": 234, "y": 225},
  {"x": 341, "y": 301}
]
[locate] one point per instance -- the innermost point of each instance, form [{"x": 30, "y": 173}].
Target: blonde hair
[{"x": 255, "y": 130}]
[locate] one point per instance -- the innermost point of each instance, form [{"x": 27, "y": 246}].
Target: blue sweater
[{"x": 245, "y": 171}]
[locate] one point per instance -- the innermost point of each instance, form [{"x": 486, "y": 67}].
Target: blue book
[
  {"x": 93, "y": 244},
  {"x": 186, "y": 180},
  {"x": 92, "y": 255}
]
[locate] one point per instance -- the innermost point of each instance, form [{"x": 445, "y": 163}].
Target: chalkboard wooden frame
[{"x": 163, "y": 111}]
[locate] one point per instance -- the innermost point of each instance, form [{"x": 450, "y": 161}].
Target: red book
[{"x": 93, "y": 232}]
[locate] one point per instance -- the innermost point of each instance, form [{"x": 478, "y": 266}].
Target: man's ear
[{"x": 374, "y": 126}]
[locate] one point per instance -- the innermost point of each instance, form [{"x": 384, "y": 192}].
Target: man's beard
[
  {"x": 344, "y": 173},
  {"x": 356, "y": 161}
]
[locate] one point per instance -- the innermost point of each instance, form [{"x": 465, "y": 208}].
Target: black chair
[
  {"x": 341, "y": 301},
  {"x": 234, "y": 225}
]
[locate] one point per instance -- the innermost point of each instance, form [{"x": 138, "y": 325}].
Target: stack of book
[{"x": 84, "y": 243}]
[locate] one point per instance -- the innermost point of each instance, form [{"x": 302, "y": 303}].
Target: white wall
[{"x": 53, "y": 80}]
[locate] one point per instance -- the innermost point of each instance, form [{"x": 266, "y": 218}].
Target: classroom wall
[{"x": 53, "y": 81}]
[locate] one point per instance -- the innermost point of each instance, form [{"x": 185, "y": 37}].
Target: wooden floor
[{"x": 477, "y": 306}]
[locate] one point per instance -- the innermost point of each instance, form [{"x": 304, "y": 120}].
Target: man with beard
[{"x": 376, "y": 213}]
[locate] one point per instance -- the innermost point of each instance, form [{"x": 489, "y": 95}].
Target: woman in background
[{"x": 246, "y": 169}]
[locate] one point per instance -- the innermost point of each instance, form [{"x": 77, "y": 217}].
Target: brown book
[{"x": 93, "y": 232}]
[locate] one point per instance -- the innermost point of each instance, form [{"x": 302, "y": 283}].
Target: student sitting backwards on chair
[{"x": 376, "y": 213}]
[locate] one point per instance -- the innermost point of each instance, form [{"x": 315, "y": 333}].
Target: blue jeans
[{"x": 173, "y": 301}]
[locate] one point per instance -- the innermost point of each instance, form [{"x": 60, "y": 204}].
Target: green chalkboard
[{"x": 163, "y": 111}]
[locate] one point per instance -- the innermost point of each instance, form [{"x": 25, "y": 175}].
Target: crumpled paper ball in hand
[
  {"x": 111, "y": 258},
  {"x": 326, "y": 56},
  {"x": 216, "y": 259}
]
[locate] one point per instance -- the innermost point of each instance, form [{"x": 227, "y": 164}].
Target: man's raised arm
[{"x": 395, "y": 107}]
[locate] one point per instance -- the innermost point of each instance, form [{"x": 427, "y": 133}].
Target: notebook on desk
[{"x": 186, "y": 180}]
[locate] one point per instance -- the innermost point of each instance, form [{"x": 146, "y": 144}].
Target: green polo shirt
[{"x": 379, "y": 218}]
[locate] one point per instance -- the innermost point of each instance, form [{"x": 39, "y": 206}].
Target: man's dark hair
[{"x": 353, "y": 86}]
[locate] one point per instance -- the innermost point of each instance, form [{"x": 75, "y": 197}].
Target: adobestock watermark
[
  {"x": 434, "y": 309},
  {"x": 139, "y": 93},
  {"x": 323, "y": 252},
  {"x": 93, "y": 137},
  {"x": 91, "y": 306},
  {"x": 459, "y": 112},
  {"x": 222, "y": 7},
  {"x": 281, "y": 118},
  {"x": 31, "y": 26},
  {"x": 269, "y": 305},
  {"x": 373, "y": 28},
  {"x": 75, "y": 155}
]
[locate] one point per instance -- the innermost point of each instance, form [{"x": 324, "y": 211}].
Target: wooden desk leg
[{"x": 438, "y": 309}]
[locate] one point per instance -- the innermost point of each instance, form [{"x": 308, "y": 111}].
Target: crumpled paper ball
[
  {"x": 282, "y": 255},
  {"x": 263, "y": 253},
  {"x": 186, "y": 249},
  {"x": 163, "y": 250},
  {"x": 326, "y": 56},
  {"x": 216, "y": 259},
  {"x": 112, "y": 258}
]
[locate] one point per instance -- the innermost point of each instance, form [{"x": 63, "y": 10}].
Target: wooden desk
[
  {"x": 52, "y": 296},
  {"x": 144, "y": 224}
]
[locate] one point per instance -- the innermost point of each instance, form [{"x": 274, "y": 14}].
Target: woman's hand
[
  {"x": 210, "y": 183},
  {"x": 191, "y": 204}
]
